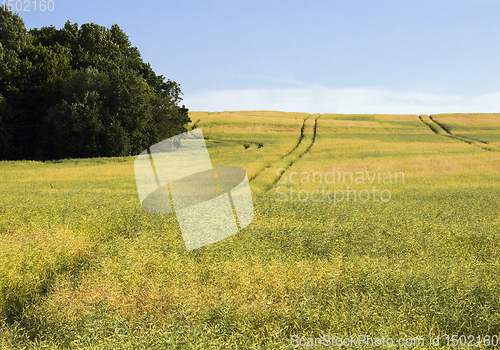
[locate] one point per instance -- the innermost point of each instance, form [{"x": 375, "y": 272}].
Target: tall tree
[
  {"x": 80, "y": 92},
  {"x": 74, "y": 128},
  {"x": 4, "y": 135},
  {"x": 13, "y": 41}
]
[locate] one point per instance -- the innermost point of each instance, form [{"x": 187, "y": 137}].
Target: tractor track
[
  {"x": 438, "y": 128},
  {"x": 299, "y": 156},
  {"x": 195, "y": 124},
  {"x": 430, "y": 125},
  {"x": 282, "y": 157}
]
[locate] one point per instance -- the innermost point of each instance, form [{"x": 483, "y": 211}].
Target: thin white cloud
[{"x": 349, "y": 100}]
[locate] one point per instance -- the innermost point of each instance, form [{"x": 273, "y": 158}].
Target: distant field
[{"x": 414, "y": 251}]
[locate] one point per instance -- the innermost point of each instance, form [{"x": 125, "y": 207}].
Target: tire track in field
[
  {"x": 195, "y": 124},
  {"x": 300, "y": 139},
  {"x": 282, "y": 157},
  {"x": 468, "y": 140},
  {"x": 315, "y": 129},
  {"x": 430, "y": 125}
]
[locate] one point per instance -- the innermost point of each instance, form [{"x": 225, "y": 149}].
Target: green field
[{"x": 83, "y": 266}]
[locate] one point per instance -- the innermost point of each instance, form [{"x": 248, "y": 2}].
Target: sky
[{"x": 329, "y": 56}]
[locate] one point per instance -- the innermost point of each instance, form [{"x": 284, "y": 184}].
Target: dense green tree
[
  {"x": 80, "y": 92},
  {"x": 74, "y": 128},
  {"x": 168, "y": 119},
  {"x": 13, "y": 41},
  {"x": 30, "y": 91},
  {"x": 99, "y": 115},
  {"x": 108, "y": 115},
  {"x": 13, "y": 34},
  {"x": 4, "y": 136}
]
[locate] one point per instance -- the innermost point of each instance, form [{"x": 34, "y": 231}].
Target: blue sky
[{"x": 339, "y": 56}]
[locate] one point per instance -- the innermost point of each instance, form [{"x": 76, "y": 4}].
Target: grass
[{"x": 83, "y": 266}]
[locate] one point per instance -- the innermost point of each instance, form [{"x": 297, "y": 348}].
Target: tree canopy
[{"x": 80, "y": 92}]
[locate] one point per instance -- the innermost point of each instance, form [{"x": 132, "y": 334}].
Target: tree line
[{"x": 80, "y": 92}]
